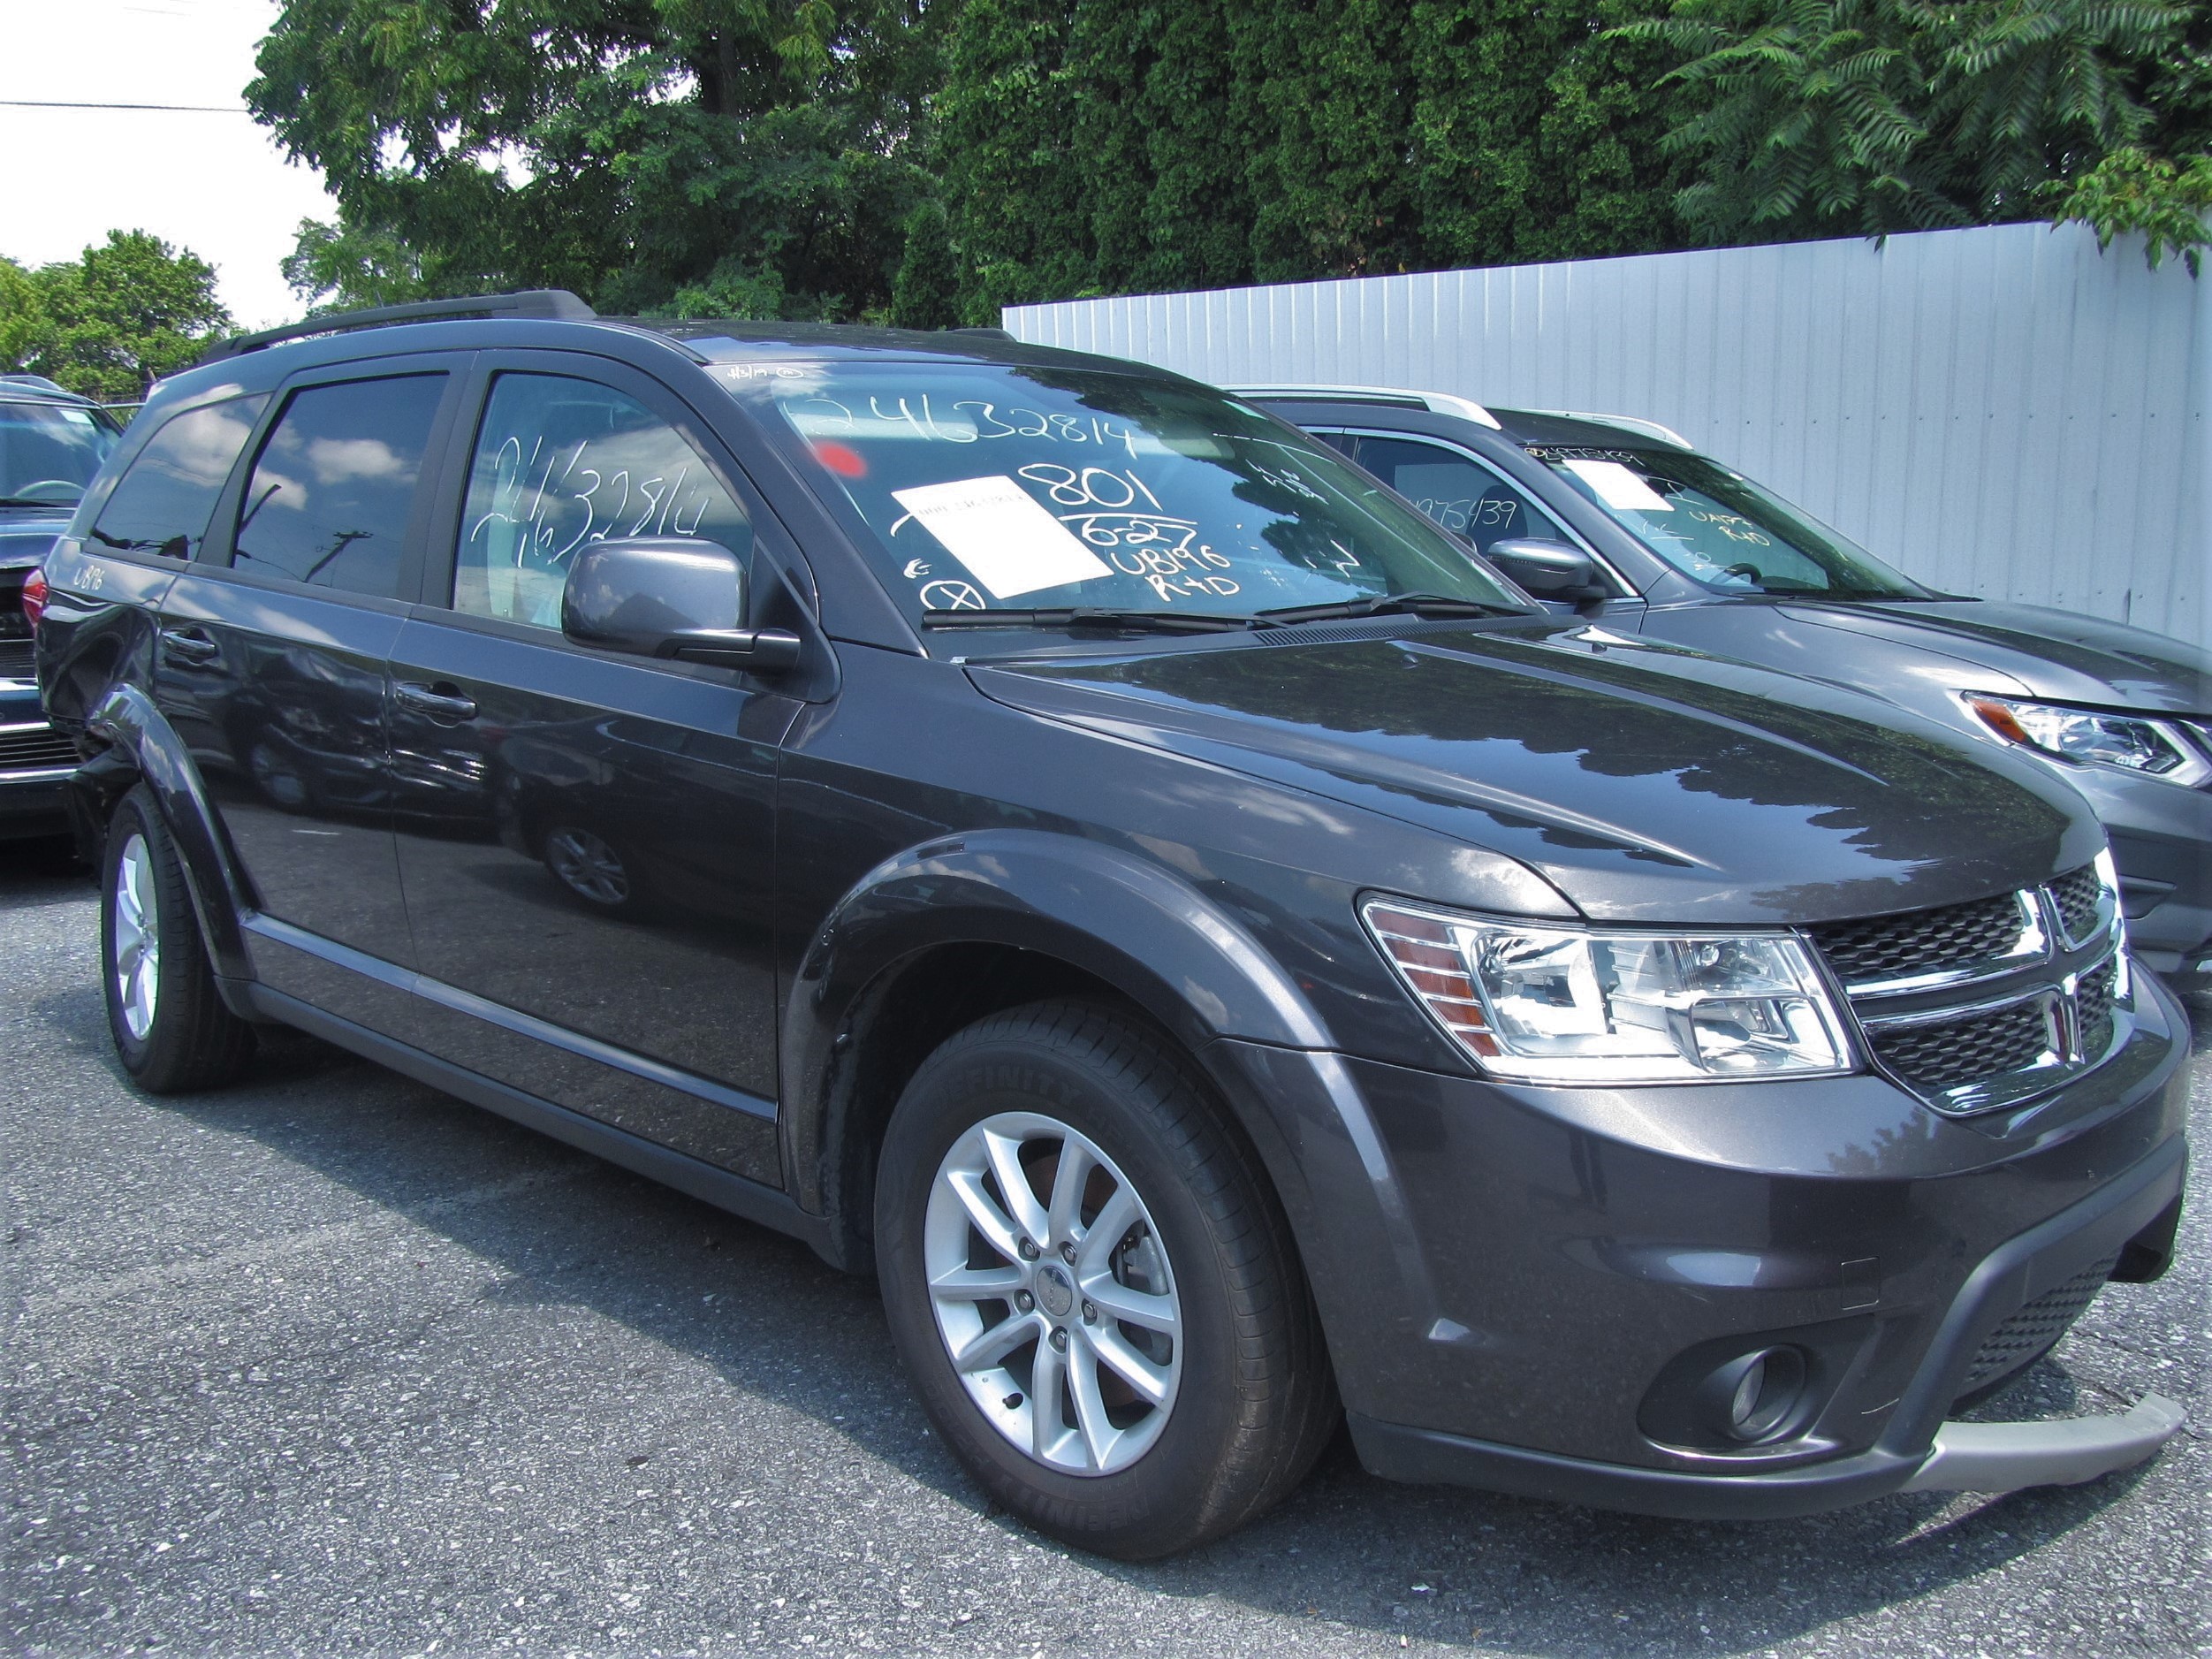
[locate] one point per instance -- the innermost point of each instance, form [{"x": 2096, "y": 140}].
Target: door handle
[
  {"x": 441, "y": 702},
  {"x": 189, "y": 644}
]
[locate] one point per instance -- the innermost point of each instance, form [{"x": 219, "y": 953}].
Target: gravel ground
[{"x": 332, "y": 1364}]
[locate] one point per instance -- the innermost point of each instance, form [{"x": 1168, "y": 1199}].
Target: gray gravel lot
[{"x": 332, "y": 1364}]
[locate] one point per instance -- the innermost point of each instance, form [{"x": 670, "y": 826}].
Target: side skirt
[{"x": 749, "y": 1200}]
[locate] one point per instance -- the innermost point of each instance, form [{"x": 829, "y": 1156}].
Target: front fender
[
  {"x": 142, "y": 746},
  {"x": 1139, "y": 927}
]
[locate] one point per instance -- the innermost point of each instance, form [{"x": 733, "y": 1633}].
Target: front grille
[
  {"x": 2096, "y": 1005},
  {"x": 27, "y": 751},
  {"x": 1967, "y": 1050},
  {"x": 1920, "y": 942},
  {"x": 2076, "y": 898},
  {"x": 2036, "y": 1326},
  {"x": 15, "y": 659}
]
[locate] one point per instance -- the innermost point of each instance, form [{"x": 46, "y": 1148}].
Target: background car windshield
[
  {"x": 48, "y": 452},
  {"x": 1720, "y": 528},
  {"x": 991, "y": 488}
]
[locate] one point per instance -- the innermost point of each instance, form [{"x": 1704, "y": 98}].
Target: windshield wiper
[
  {"x": 33, "y": 501},
  {"x": 1424, "y": 605},
  {"x": 1087, "y": 616}
]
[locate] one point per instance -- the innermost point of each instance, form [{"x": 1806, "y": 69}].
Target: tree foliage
[
  {"x": 1829, "y": 117},
  {"x": 110, "y": 323},
  {"x": 650, "y": 154},
  {"x": 2130, "y": 190}
]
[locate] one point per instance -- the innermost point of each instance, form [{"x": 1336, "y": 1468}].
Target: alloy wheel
[
  {"x": 138, "y": 944},
  {"x": 1053, "y": 1294}
]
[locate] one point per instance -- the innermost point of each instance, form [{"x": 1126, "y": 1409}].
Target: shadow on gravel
[{"x": 1431, "y": 1563}]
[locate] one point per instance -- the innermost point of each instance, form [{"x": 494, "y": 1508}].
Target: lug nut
[
  {"x": 1091, "y": 1313},
  {"x": 1025, "y": 1301},
  {"x": 1029, "y": 1250},
  {"x": 1059, "y": 1341},
  {"x": 1067, "y": 1252}
]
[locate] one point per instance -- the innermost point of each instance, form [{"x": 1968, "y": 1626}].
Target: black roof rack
[{"x": 534, "y": 303}]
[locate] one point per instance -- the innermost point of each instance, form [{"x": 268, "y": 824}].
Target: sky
[{"x": 216, "y": 183}]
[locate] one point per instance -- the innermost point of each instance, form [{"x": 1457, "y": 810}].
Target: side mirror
[
  {"x": 1550, "y": 570},
  {"x": 669, "y": 598}
]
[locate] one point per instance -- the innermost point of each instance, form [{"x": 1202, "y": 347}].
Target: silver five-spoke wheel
[
  {"x": 138, "y": 942},
  {"x": 1053, "y": 1294}
]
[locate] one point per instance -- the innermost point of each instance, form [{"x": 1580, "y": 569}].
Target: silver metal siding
[{"x": 2003, "y": 412}]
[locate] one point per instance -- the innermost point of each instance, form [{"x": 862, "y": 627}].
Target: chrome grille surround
[{"x": 1990, "y": 1019}]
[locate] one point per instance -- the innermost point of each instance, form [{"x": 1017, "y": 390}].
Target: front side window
[
  {"x": 163, "y": 503},
  {"x": 333, "y": 488},
  {"x": 996, "y": 488},
  {"x": 1719, "y": 528},
  {"x": 48, "y": 452},
  {"x": 561, "y": 463},
  {"x": 1464, "y": 496}
]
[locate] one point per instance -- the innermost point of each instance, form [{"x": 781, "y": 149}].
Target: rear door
[
  {"x": 272, "y": 665},
  {"x": 586, "y": 839}
]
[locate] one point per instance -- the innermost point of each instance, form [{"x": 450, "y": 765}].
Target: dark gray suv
[
  {"x": 1621, "y": 519},
  {"x": 1052, "y": 837}
]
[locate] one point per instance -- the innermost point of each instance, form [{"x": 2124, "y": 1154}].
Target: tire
[
  {"x": 1236, "y": 1399},
  {"x": 171, "y": 1029}
]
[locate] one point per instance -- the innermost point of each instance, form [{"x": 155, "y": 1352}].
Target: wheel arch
[
  {"x": 141, "y": 746},
  {"x": 942, "y": 935}
]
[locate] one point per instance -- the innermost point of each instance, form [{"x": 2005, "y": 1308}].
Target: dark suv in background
[
  {"x": 1057, "y": 837},
  {"x": 1619, "y": 518},
  {"x": 52, "y": 444}
]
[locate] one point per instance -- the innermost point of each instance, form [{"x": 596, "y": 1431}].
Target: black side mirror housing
[
  {"x": 670, "y": 598},
  {"x": 1549, "y": 569}
]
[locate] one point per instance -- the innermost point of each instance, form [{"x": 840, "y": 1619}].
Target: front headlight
[
  {"x": 1537, "y": 1002},
  {"x": 2126, "y": 742}
]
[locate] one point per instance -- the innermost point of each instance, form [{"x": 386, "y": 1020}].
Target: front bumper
[
  {"x": 32, "y": 803},
  {"x": 2162, "y": 841},
  {"x": 1513, "y": 1280}
]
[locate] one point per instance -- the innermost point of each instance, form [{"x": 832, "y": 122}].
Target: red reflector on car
[{"x": 35, "y": 592}]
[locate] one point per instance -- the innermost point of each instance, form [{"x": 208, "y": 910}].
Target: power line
[{"x": 186, "y": 109}]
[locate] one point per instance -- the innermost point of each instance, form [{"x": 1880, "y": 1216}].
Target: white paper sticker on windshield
[
  {"x": 1618, "y": 487},
  {"x": 1008, "y": 542}
]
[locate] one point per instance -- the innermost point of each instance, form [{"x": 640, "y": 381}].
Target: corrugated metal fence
[{"x": 2002, "y": 411}]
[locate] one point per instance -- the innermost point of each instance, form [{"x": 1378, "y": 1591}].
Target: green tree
[
  {"x": 108, "y": 325},
  {"x": 641, "y": 152},
  {"x": 926, "y": 293},
  {"x": 1830, "y": 116},
  {"x": 2130, "y": 190}
]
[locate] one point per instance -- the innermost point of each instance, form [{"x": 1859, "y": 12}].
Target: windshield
[
  {"x": 992, "y": 488},
  {"x": 1719, "y": 528},
  {"x": 48, "y": 452}
]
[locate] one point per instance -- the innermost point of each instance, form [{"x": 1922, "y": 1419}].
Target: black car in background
[
  {"x": 1052, "y": 835},
  {"x": 1621, "y": 519},
  {"x": 52, "y": 444}
]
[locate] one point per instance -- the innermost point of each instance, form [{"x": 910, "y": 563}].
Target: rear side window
[
  {"x": 333, "y": 488},
  {"x": 163, "y": 503}
]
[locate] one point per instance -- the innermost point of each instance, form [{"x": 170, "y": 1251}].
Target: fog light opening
[{"x": 1758, "y": 1393}]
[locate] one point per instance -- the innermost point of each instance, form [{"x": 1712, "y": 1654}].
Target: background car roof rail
[
  {"x": 1435, "y": 402},
  {"x": 40, "y": 383},
  {"x": 533, "y": 302},
  {"x": 1650, "y": 428}
]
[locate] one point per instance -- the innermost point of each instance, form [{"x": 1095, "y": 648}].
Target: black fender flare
[
  {"x": 141, "y": 746},
  {"x": 1131, "y": 922}
]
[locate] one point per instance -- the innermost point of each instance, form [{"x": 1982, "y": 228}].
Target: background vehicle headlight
[
  {"x": 1542, "y": 1004},
  {"x": 2128, "y": 742}
]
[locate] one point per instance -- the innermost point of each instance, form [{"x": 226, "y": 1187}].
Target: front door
[
  {"x": 587, "y": 841},
  {"x": 273, "y": 649}
]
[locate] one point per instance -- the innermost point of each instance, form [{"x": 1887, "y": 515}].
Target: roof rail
[
  {"x": 1404, "y": 398},
  {"x": 38, "y": 383},
  {"x": 533, "y": 302},
  {"x": 1628, "y": 423}
]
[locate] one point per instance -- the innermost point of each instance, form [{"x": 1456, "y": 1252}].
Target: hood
[
  {"x": 28, "y": 534},
  {"x": 1647, "y": 782},
  {"x": 2038, "y": 652}
]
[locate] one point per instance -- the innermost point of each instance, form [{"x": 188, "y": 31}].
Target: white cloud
[{"x": 216, "y": 183}]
